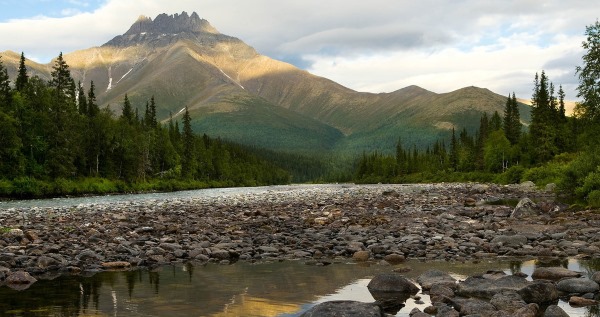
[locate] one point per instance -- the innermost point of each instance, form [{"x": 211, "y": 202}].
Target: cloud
[{"x": 376, "y": 45}]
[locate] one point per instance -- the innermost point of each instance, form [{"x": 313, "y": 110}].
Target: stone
[
  {"x": 555, "y": 311},
  {"x": 43, "y": 262},
  {"x": 115, "y": 265},
  {"x": 472, "y": 306},
  {"x": 431, "y": 277},
  {"x": 539, "y": 292},
  {"x": 220, "y": 254},
  {"x": 446, "y": 311},
  {"x": 530, "y": 310},
  {"x": 361, "y": 256},
  {"x": 484, "y": 288},
  {"x": 525, "y": 208},
  {"x": 513, "y": 241},
  {"x": 440, "y": 293},
  {"x": 580, "y": 301},
  {"x": 527, "y": 186},
  {"x": 20, "y": 277},
  {"x": 596, "y": 277},
  {"x": 550, "y": 187},
  {"x": 394, "y": 258},
  {"x": 577, "y": 286},
  {"x": 392, "y": 282},
  {"x": 553, "y": 273},
  {"x": 344, "y": 309},
  {"x": 509, "y": 301}
]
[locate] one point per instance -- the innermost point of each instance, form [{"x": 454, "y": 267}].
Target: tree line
[
  {"x": 54, "y": 132},
  {"x": 553, "y": 148}
]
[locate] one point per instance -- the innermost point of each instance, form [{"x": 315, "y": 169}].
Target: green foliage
[
  {"x": 593, "y": 199},
  {"x": 513, "y": 175},
  {"x": 55, "y": 140}
]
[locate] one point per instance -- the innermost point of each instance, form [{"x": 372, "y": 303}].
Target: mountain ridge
[{"x": 184, "y": 61}]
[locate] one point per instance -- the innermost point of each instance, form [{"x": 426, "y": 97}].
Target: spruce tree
[
  {"x": 127, "y": 114},
  {"x": 512, "y": 120},
  {"x": 82, "y": 103},
  {"x": 92, "y": 108},
  {"x": 188, "y": 157},
  {"x": 22, "y": 77},
  {"x": 589, "y": 76}
]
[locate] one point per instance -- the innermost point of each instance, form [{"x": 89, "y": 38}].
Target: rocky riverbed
[{"x": 317, "y": 223}]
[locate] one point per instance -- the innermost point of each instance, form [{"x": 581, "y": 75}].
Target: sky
[{"x": 375, "y": 46}]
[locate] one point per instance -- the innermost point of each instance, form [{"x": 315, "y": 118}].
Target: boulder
[
  {"x": 344, "y": 309},
  {"x": 440, "y": 293},
  {"x": 115, "y": 265},
  {"x": 473, "y": 306},
  {"x": 361, "y": 256},
  {"x": 484, "y": 288},
  {"x": 509, "y": 301},
  {"x": 580, "y": 301},
  {"x": 513, "y": 241},
  {"x": 525, "y": 208},
  {"x": 530, "y": 310},
  {"x": 596, "y": 277},
  {"x": 431, "y": 277},
  {"x": 577, "y": 286},
  {"x": 539, "y": 292},
  {"x": 553, "y": 273},
  {"x": 20, "y": 280},
  {"x": 447, "y": 311},
  {"x": 392, "y": 282},
  {"x": 555, "y": 311},
  {"x": 394, "y": 258}
]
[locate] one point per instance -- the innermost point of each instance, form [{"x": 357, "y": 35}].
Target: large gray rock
[
  {"x": 513, "y": 241},
  {"x": 344, "y": 309},
  {"x": 555, "y": 311},
  {"x": 530, "y": 310},
  {"x": 473, "y": 306},
  {"x": 431, "y": 277},
  {"x": 553, "y": 273},
  {"x": 392, "y": 282},
  {"x": 447, "y": 311},
  {"x": 596, "y": 277},
  {"x": 525, "y": 208},
  {"x": 508, "y": 301},
  {"x": 577, "y": 285},
  {"x": 539, "y": 292},
  {"x": 486, "y": 288}
]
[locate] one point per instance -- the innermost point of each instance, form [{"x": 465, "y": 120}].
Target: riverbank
[{"x": 314, "y": 223}]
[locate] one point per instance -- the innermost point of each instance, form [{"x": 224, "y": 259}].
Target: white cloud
[{"x": 376, "y": 45}]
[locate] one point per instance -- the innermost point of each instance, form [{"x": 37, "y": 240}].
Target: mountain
[{"x": 234, "y": 92}]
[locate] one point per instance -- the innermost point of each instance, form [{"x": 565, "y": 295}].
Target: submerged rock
[{"x": 344, "y": 309}]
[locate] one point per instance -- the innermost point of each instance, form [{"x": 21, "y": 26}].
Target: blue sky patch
[{"x": 20, "y": 9}]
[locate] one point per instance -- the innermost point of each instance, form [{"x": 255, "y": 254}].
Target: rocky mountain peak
[{"x": 145, "y": 30}]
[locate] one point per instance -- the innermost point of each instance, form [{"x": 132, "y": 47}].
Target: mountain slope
[{"x": 234, "y": 92}]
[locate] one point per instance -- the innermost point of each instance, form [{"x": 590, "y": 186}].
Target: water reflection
[{"x": 242, "y": 289}]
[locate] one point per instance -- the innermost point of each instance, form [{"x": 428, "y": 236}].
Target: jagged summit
[{"x": 163, "y": 29}]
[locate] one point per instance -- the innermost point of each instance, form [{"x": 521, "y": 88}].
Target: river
[{"x": 282, "y": 289}]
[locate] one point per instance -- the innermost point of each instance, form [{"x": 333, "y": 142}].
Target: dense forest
[
  {"x": 56, "y": 140},
  {"x": 553, "y": 149}
]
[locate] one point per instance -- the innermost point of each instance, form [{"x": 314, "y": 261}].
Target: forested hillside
[
  {"x": 553, "y": 149},
  {"x": 56, "y": 140}
]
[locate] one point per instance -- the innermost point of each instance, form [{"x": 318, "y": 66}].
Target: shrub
[{"x": 594, "y": 199}]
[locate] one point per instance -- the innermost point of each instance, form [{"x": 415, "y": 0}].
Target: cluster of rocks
[
  {"x": 315, "y": 223},
  {"x": 492, "y": 294}
]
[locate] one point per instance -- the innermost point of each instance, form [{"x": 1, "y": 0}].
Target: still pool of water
[{"x": 281, "y": 289}]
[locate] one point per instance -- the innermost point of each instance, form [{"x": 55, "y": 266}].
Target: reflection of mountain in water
[{"x": 242, "y": 289}]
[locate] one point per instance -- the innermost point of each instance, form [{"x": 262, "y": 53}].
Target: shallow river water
[{"x": 282, "y": 289}]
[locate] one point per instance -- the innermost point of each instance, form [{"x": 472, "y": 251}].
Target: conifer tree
[
  {"x": 82, "y": 103},
  {"x": 512, "y": 120},
  {"x": 127, "y": 111},
  {"x": 92, "y": 108},
  {"x": 22, "y": 77},
  {"x": 188, "y": 157},
  {"x": 589, "y": 76}
]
